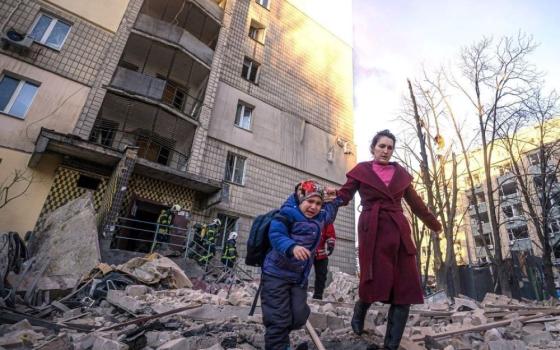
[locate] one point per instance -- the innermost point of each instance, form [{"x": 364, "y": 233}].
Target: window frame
[
  {"x": 262, "y": 3},
  {"x": 231, "y": 178},
  {"x": 54, "y": 20},
  {"x": 252, "y": 63},
  {"x": 259, "y": 30},
  {"x": 21, "y": 83},
  {"x": 239, "y": 116}
]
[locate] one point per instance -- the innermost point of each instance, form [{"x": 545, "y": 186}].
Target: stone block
[
  {"x": 125, "y": 302},
  {"x": 137, "y": 290},
  {"x": 506, "y": 345},
  {"x": 101, "y": 343},
  {"x": 539, "y": 338},
  {"x": 176, "y": 344}
]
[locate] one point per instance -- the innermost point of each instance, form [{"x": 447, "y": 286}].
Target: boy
[{"x": 286, "y": 267}]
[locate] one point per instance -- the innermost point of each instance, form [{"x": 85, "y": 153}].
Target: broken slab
[
  {"x": 155, "y": 269},
  {"x": 120, "y": 299},
  {"x": 67, "y": 243},
  {"x": 101, "y": 343}
]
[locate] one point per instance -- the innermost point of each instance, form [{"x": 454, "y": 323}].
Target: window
[
  {"x": 504, "y": 169},
  {"x": 235, "y": 168},
  {"x": 518, "y": 233},
  {"x": 16, "y": 95},
  {"x": 229, "y": 225},
  {"x": 174, "y": 96},
  {"x": 263, "y": 3},
  {"x": 244, "y": 116},
  {"x": 553, "y": 226},
  {"x": 50, "y": 31},
  {"x": 481, "y": 241},
  {"x": 534, "y": 159},
  {"x": 508, "y": 189},
  {"x": 103, "y": 132},
  {"x": 257, "y": 31},
  {"x": 250, "y": 70}
]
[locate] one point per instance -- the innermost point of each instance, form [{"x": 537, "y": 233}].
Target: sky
[{"x": 393, "y": 40}]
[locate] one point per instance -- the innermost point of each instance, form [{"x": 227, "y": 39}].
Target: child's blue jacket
[{"x": 279, "y": 262}]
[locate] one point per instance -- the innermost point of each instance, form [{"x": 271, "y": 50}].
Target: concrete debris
[
  {"x": 150, "y": 303},
  {"x": 154, "y": 269},
  {"x": 66, "y": 248},
  {"x": 343, "y": 288}
]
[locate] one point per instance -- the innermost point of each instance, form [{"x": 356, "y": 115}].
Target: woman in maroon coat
[{"x": 388, "y": 270}]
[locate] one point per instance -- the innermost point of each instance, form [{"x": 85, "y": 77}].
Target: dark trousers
[
  {"x": 321, "y": 270},
  {"x": 284, "y": 308}
]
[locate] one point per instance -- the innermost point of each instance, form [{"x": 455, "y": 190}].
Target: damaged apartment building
[{"x": 218, "y": 106}]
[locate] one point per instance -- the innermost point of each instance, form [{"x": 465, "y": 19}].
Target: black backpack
[{"x": 258, "y": 244}]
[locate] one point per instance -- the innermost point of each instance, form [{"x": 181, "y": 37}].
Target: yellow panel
[{"x": 105, "y": 13}]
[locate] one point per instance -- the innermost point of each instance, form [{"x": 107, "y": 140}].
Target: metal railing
[
  {"x": 151, "y": 237},
  {"x": 177, "y": 97},
  {"x": 149, "y": 148}
]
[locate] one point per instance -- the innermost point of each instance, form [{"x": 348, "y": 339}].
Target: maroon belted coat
[{"x": 386, "y": 251}]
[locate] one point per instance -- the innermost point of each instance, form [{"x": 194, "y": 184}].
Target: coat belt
[{"x": 369, "y": 244}]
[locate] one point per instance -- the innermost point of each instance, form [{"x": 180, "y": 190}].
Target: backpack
[{"x": 258, "y": 244}]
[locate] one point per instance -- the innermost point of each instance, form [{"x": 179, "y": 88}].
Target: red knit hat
[{"x": 309, "y": 188}]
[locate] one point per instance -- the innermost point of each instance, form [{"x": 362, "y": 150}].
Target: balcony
[
  {"x": 515, "y": 221},
  {"x": 175, "y": 35},
  {"x": 192, "y": 25},
  {"x": 486, "y": 228},
  {"x": 523, "y": 244},
  {"x": 161, "y": 74},
  {"x": 161, "y": 137},
  {"x": 482, "y": 208}
]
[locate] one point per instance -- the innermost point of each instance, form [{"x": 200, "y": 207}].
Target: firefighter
[
  {"x": 164, "y": 220},
  {"x": 209, "y": 241},
  {"x": 229, "y": 255}
]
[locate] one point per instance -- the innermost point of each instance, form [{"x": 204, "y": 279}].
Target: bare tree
[
  {"x": 536, "y": 173},
  {"x": 14, "y": 186},
  {"x": 495, "y": 79}
]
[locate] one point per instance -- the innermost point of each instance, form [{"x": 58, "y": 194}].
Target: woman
[{"x": 388, "y": 270}]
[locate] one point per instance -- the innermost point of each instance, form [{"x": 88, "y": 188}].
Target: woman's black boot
[
  {"x": 359, "y": 316},
  {"x": 396, "y": 322}
]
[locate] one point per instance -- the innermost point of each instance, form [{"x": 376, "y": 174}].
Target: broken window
[
  {"x": 103, "y": 132},
  {"x": 235, "y": 168},
  {"x": 49, "y": 31},
  {"x": 257, "y": 31},
  {"x": 16, "y": 95},
  {"x": 518, "y": 232},
  {"x": 244, "y": 115},
  {"x": 508, "y": 189},
  {"x": 250, "y": 70},
  {"x": 174, "y": 95},
  {"x": 534, "y": 159},
  {"x": 482, "y": 240}
]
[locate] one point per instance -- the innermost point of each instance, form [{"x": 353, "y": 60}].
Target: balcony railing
[
  {"x": 149, "y": 148},
  {"x": 165, "y": 91}
]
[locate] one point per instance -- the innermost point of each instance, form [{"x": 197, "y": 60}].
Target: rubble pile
[
  {"x": 343, "y": 288},
  {"x": 151, "y": 303}
]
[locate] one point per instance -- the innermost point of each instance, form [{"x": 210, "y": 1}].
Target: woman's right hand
[{"x": 301, "y": 253}]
